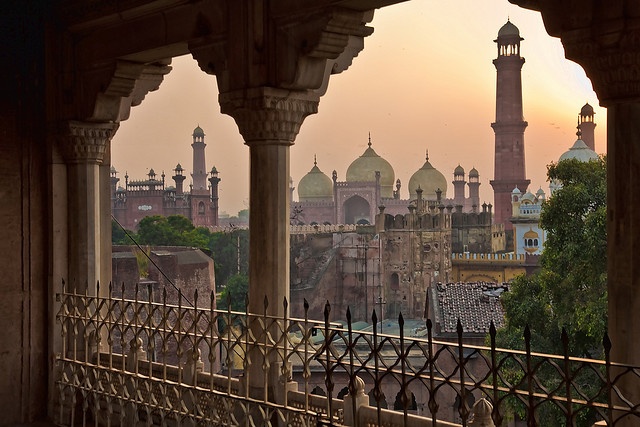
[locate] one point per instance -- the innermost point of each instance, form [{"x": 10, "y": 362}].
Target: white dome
[{"x": 580, "y": 152}]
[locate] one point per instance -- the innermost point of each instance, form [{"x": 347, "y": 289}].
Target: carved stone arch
[{"x": 355, "y": 209}]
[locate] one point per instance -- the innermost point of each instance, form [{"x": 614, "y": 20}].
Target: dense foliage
[
  {"x": 235, "y": 293},
  {"x": 570, "y": 290}
]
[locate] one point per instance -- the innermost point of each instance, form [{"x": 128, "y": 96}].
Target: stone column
[
  {"x": 269, "y": 120},
  {"x": 623, "y": 238},
  {"x": 85, "y": 146}
]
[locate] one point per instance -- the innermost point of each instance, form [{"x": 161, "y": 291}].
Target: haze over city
[{"x": 421, "y": 83}]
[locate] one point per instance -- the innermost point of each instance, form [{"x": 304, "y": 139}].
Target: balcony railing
[{"x": 169, "y": 361}]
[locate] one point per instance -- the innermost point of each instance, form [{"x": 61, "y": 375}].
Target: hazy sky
[{"x": 424, "y": 81}]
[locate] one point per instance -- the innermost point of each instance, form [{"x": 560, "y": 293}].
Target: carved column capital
[
  {"x": 85, "y": 142},
  {"x": 269, "y": 114}
]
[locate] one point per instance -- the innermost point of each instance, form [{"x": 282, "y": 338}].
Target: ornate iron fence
[{"x": 163, "y": 361}]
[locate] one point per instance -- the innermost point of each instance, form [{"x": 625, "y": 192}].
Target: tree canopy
[{"x": 570, "y": 289}]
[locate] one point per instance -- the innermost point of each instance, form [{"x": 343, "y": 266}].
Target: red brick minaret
[
  {"x": 587, "y": 126},
  {"x": 200, "y": 173},
  {"x": 509, "y": 125}
]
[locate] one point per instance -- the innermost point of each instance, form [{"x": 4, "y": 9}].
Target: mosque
[
  {"x": 151, "y": 196},
  {"x": 370, "y": 183}
]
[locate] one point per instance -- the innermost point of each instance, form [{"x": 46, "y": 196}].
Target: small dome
[
  {"x": 530, "y": 234},
  {"x": 473, "y": 173},
  {"x": 587, "y": 110},
  {"x": 528, "y": 196},
  {"x": 458, "y": 170},
  {"x": 198, "y": 131},
  {"x": 363, "y": 169},
  {"x": 540, "y": 192},
  {"x": 315, "y": 185},
  {"x": 152, "y": 172},
  {"x": 179, "y": 167},
  {"x": 113, "y": 169},
  {"x": 508, "y": 30},
  {"x": 120, "y": 189},
  {"x": 214, "y": 170},
  {"x": 580, "y": 152},
  {"x": 516, "y": 191},
  {"x": 430, "y": 180}
]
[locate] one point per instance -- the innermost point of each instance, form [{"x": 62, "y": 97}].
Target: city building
[{"x": 151, "y": 196}]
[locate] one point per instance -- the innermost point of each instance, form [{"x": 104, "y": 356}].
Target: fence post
[
  {"x": 192, "y": 366},
  {"x": 136, "y": 353},
  {"x": 482, "y": 410},
  {"x": 353, "y": 403}
]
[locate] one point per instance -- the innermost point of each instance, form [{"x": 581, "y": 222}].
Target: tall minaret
[
  {"x": 509, "y": 125},
  {"x": 458, "y": 186},
  {"x": 587, "y": 126},
  {"x": 200, "y": 173}
]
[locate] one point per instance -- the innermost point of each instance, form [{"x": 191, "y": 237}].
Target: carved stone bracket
[
  {"x": 300, "y": 55},
  {"x": 614, "y": 71},
  {"x": 85, "y": 142},
  {"x": 268, "y": 114},
  {"x": 603, "y": 36},
  {"x": 130, "y": 83}
]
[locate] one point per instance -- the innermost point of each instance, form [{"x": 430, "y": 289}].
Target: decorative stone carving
[
  {"x": 83, "y": 142},
  {"x": 130, "y": 83},
  {"x": 603, "y": 37},
  {"x": 269, "y": 114}
]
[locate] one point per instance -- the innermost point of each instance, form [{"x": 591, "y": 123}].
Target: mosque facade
[
  {"x": 152, "y": 196},
  {"x": 370, "y": 183}
]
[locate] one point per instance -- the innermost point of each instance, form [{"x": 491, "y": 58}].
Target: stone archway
[{"x": 356, "y": 209}]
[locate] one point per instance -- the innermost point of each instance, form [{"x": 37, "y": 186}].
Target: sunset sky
[{"x": 424, "y": 81}]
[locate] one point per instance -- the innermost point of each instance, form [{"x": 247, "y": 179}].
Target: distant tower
[
  {"x": 214, "y": 181},
  {"x": 114, "y": 183},
  {"x": 509, "y": 125},
  {"x": 474, "y": 187},
  {"x": 458, "y": 186},
  {"x": 587, "y": 126},
  {"x": 199, "y": 175},
  {"x": 179, "y": 179}
]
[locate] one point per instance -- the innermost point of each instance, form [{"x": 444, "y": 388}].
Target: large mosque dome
[
  {"x": 429, "y": 179},
  {"x": 363, "y": 169},
  {"x": 579, "y": 151},
  {"x": 315, "y": 185}
]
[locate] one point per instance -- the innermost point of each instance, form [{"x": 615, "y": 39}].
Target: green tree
[
  {"x": 235, "y": 292},
  {"x": 570, "y": 289},
  {"x": 174, "y": 230},
  {"x": 119, "y": 236},
  {"x": 230, "y": 252}
]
